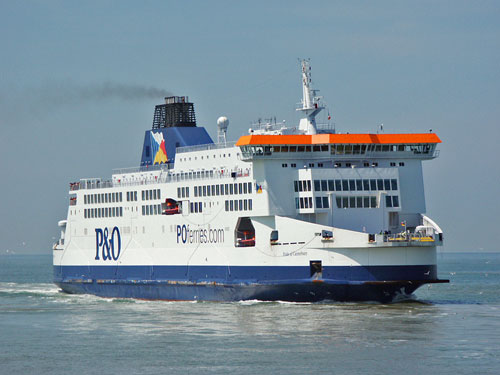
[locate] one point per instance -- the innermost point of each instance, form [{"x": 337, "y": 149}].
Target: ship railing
[
  {"x": 144, "y": 168},
  {"x": 268, "y": 125},
  {"x": 407, "y": 236},
  {"x": 95, "y": 184},
  {"x": 166, "y": 178},
  {"x": 325, "y": 128},
  {"x": 205, "y": 147}
]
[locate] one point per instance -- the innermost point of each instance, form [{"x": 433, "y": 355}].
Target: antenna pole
[{"x": 310, "y": 102}]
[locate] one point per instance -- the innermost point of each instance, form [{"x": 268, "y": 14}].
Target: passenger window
[
  {"x": 359, "y": 185},
  {"x": 394, "y": 184},
  {"x": 366, "y": 185},
  {"x": 395, "y": 201},
  {"x": 380, "y": 184},
  {"x": 319, "y": 202},
  {"x": 387, "y": 184},
  {"x": 388, "y": 201},
  {"x": 352, "y": 186},
  {"x": 325, "y": 202}
]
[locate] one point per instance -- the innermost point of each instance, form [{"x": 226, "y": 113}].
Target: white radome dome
[{"x": 222, "y": 123}]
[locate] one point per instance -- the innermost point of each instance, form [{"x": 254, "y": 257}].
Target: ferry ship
[{"x": 294, "y": 214}]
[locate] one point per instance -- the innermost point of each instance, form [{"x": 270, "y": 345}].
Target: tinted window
[
  {"x": 366, "y": 185},
  {"x": 394, "y": 184},
  {"x": 387, "y": 184},
  {"x": 388, "y": 201},
  {"x": 325, "y": 202},
  {"x": 319, "y": 202},
  {"x": 359, "y": 185},
  {"x": 366, "y": 202},
  {"x": 395, "y": 201},
  {"x": 352, "y": 185},
  {"x": 352, "y": 202},
  {"x": 338, "y": 185},
  {"x": 345, "y": 202}
]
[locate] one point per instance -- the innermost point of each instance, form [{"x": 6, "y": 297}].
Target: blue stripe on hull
[
  {"x": 238, "y": 274},
  {"x": 224, "y": 283}
]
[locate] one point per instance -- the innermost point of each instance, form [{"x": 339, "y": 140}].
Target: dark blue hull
[{"x": 375, "y": 283}]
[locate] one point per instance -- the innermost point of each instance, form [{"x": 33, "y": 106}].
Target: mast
[{"x": 310, "y": 102}]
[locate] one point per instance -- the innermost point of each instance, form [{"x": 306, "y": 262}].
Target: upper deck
[{"x": 374, "y": 146}]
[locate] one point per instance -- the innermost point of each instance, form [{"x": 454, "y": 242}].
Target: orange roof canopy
[{"x": 318, "y": 139}]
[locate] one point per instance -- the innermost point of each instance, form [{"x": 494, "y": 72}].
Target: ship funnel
[
  {"x": 222, "y": 124},
  {"x": 176, "y": 112}
]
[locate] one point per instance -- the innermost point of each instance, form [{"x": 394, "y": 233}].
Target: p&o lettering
[{"x": 108, "y": 247}]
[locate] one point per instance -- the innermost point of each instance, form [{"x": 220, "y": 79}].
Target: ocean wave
[{"x": 9, "y": 288}]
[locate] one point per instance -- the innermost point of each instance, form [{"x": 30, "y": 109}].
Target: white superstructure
[{"x": 280, "y": 214}]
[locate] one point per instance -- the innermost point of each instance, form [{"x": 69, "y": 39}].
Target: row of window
[
  {"x": 151, "y": 194},
  {"x": 366, "y": 202},
  {"x": 102, "y": 198},
  {"x": 239, "y": 205},
  {"x": 391, "y": 201},
  {"x": 347, "y": 202},
  {"x": 222, "y": 189},
  {"x": 348, "y": 149},
  {"x": 151, "y": 209},
  {"x": 131, "y": 196},
  {"x": 304, "y": 202},
  {"x": 302, "y": 185},
  {"x": 183, "y": 192},
  {"x": 90, "y": 213},
  {"x": 356, "y": 202},
  {"x": 346, "y": 165},
  {"x": 354, "y": 185},
  {"x": 196, "y": 207},
  {"x": 361, "y": 149},
  {"x": 322, "y": 202}
]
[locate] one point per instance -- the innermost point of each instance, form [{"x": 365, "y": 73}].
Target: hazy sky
[{"x": 79, "y": 81}]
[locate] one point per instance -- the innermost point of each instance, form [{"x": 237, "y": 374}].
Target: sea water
[{"x": 447, "y": 329}]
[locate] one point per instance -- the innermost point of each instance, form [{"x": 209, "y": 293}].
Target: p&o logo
[{"x": 108, "y": 246}]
